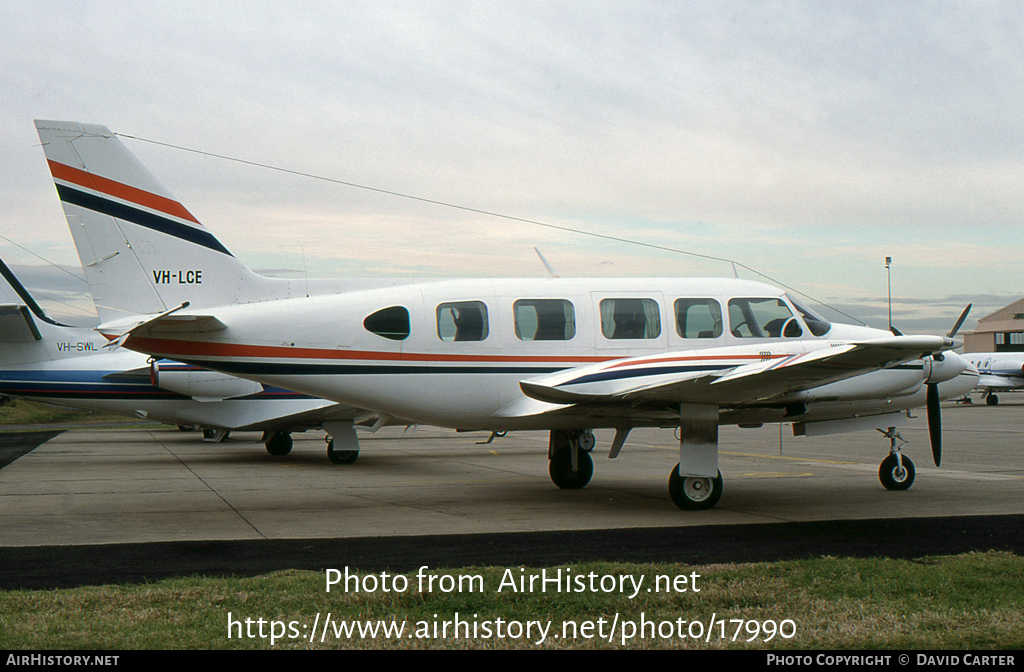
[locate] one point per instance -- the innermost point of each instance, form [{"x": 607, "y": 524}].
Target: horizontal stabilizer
[
  {"x": 185, "y": 324},
  {"x": 164, "y": 323},
  {"x": 17, "y": 324}
]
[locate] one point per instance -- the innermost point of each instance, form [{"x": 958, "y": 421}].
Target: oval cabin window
[{"x": 392, "y": 323}]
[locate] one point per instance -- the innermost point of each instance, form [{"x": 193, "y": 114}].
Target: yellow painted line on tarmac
[{"x": 762, "y": 455}]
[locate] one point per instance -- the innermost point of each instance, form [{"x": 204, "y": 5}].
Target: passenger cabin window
[
  {"x": 762, "y": 318},
  {"x": 462, "y": 321},
  {"x": 544, "y": 320},
  {"x": 390, "y": 323},
  {"x": 698, "y": 318},
  {"x": 630, "y": 318}
]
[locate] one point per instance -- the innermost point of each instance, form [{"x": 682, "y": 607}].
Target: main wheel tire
[
  {"x": 341, "y": 456},
  {"x": 562, "y": 475},
  {"x": 694, "y": 493},
  {"x": 992, "y": 400},
  {"x": 279, "y": 444},
  {"x": 893, "y": 477}
]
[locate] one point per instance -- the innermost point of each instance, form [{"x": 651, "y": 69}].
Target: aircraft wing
[
  {"x": 728, "y": 377},
  {"x": 994, "y": 381}
]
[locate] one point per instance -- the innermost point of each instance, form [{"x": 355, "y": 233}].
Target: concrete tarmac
[{"x": 116, "y": 486}]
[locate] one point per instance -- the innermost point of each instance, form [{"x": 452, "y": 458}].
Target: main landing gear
[
  {"x": 340, "y": 456},
  {"x": 694, "y": 493},
  {"x": 342, "y": 442},
  {"x": 571, "y": 466},
  {"x": 897, "y": 470},
  {"x": 278, "y": 444}
]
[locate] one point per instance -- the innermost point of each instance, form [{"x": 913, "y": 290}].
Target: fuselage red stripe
[{"x": 190, "y": 349}]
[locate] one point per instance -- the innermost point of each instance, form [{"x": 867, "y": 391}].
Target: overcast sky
[{"x": 806, "y": 140}]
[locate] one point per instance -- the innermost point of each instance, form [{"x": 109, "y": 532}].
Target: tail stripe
[
  {"x": 140, "y": 217},
  {"x": 119, "y": 190}
]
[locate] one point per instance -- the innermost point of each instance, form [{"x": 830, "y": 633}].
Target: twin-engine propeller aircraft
[{"x": 563, "y": 355}]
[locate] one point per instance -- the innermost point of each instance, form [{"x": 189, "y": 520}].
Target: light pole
[{"x": 888, "y": 279}]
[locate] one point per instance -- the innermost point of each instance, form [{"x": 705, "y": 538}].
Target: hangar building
[{"x": 1002, "y": 331}]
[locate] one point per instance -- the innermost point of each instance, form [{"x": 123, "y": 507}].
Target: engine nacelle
[
  {"x": 200, "y": 384},
  {"x": 895, "y": 382},
  {"x": 944, "y": 366}
]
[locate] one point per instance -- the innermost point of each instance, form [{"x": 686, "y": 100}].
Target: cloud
[{"x": 805, "y": 140}]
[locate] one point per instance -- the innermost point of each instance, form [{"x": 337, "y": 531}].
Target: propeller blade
[
  {"x": 935, "y": 422},
  {"x": 960, "y": 322}
]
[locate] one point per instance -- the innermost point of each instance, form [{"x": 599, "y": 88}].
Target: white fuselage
[
  {"x": 998, "y": 370},
  {"x": 453, "y": 353}
]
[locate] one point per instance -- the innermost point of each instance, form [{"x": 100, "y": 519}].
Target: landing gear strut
[{"x": 897, "y": 470}]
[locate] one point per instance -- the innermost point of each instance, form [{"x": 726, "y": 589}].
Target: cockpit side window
[
  {"x": 762, "y": 318},
  {"x": 818, "y": 325},
  {"x": 698, "y": 318},
  {"x": 462, "y": 321}
]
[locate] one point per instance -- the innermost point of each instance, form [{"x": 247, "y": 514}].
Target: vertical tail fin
[{"x": 141, "y": 249}]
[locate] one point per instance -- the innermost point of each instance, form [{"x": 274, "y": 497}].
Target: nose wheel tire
[
  {"x": 894, "y": 476},
  {"x": 694, "y": 493}
]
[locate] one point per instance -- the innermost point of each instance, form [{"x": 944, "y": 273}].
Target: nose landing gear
[
  {"x": 571, "y": 466},
  {"x": 897, "y": 470}
]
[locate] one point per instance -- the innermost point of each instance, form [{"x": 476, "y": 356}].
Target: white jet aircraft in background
[
  {"x": 998, "y": 372},
  {"x": 563, "y": 355}
]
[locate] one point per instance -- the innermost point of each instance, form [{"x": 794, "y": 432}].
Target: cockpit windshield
[{"x": 818, "y": 325}]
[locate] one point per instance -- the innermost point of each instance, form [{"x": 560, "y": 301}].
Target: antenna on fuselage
[{"x": 551, "y": 271}]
